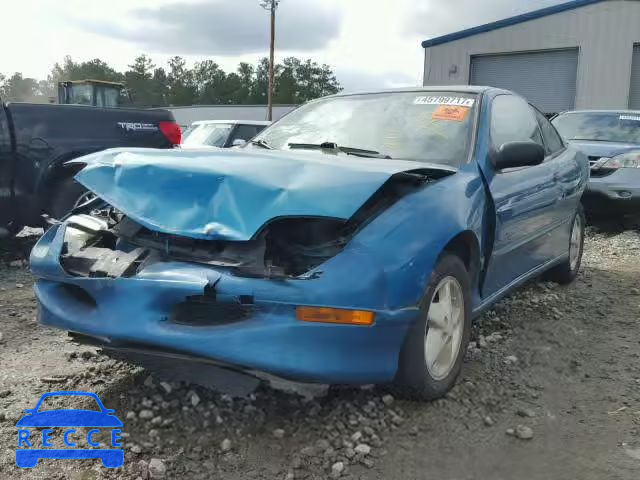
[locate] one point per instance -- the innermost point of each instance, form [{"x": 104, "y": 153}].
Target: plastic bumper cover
[
  {"x": 270, "y": 339},
  {"x": 618, "y": 192}
]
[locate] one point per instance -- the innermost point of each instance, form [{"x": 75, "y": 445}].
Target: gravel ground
[{"x": 550, "y": 390}]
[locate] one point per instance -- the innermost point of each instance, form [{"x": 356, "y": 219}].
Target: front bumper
[
  {"x": 138, "y": 310},
  {"x": 617, "y": 193}
]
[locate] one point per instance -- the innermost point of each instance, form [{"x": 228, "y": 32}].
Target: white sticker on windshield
[
  {"x": 630, "y": 117},
  {"x": 444, "y": 100}
]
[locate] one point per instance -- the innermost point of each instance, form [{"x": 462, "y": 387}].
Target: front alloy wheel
[
  {"x": 431, "y": 358},
  {"x": 443, "y": 334}
]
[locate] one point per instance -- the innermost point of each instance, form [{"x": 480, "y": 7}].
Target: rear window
[
  {"x": 601, "y": 127},
  {"x": 212, "y": 134}
]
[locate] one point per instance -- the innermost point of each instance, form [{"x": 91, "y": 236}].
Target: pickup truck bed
[{"x": 37, "y": 140}]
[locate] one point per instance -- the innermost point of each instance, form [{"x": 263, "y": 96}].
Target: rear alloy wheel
[
  {"x": 432, "y": 356},
  {"x": 567, "y": 271}
]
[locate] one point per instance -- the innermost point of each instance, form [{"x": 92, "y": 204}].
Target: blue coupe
[{"x": 351, "y": 242}]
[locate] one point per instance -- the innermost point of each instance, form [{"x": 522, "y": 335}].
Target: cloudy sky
[{"x": 368, "y": 43}]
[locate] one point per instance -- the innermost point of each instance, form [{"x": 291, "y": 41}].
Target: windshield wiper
[
  {"x": 261, "y": 143},
  {"x": 358, "y": 152}
]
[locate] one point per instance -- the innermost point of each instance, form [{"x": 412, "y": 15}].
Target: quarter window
[{"x": 552, "y": 141}]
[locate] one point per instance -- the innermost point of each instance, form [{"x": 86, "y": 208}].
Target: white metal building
[
  {"x": 185, "y": 116},
  {"x": 579, "y": 54}
]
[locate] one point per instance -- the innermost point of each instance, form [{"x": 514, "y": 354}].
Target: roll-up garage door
[
  {"x": 546, "y": 79},
  {"x": 634, "y": 97}
]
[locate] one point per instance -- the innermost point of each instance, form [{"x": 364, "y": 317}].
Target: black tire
[
  {"x": 65, "y": 196},
  {"x": 565, "y": 273},
  {"x": 413, "y": 379}
]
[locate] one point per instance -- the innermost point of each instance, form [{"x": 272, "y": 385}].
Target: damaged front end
[
  {"x": 138, "y": 271},
  {"x": 108, "y": 243}
]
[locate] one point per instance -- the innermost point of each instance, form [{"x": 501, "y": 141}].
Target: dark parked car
[
  {"x": 351, "y": 242},
  {"x": 611, "y": 139},
  {"x": 37, "y": 140}
]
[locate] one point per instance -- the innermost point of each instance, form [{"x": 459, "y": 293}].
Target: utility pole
[{"x": 271, "y": 5}]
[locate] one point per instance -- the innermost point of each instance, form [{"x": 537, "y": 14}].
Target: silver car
[
  {"x": 611, "y": 140},
  {"x": 221, "y": 133}
]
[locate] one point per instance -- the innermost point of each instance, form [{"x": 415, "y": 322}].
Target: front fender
[{"x": 408, "y": 238}]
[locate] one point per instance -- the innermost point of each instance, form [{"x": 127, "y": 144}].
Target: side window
[
  {"x": 245, "y": 132},
  {"x": 552, "y": 141},
  {"x": 513, "y": 120}
]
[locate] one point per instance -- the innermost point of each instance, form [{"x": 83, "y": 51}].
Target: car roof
[
  {"x": 428, "y": 88},
  {"x": 618, "y": 112},
  {"x": 232, "y": 122}
]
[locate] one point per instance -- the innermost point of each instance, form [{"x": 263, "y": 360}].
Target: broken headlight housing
[{"x": 81, "y": 229}]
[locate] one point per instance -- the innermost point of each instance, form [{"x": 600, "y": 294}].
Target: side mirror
[
  {"x": 518, "y": 154},
  {"x": 238, "y": 142}
]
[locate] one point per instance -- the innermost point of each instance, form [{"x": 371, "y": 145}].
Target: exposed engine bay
[{"x": 103, "y": 242}]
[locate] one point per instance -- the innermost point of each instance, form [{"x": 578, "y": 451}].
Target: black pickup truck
[{"x": 37, "y": 140}]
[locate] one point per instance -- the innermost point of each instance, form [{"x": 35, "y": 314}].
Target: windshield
[
  {"x": 604, "y": 127},
  {"x": 108, "y": 97},
  {"x": 431, "y": 127},
  {"x": 213, "y": 134},
  {"x": 81, "y": 94}
]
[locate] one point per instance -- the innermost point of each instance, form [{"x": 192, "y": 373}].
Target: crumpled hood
[
  {"x": 603, "y": 149},
  {"x": 231, "y": 194}
]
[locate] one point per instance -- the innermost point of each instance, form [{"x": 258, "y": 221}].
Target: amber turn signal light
[{"x": 334, "y": 315}]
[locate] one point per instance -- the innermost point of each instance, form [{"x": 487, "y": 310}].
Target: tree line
[{"x": 177, "y": 84}]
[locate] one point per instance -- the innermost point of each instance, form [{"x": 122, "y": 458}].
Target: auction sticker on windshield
[
  {"x": 444, "y": 100},
  {"x": 456, "y": 114}
]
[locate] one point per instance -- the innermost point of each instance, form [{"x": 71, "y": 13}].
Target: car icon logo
[{"x": 32, "y": 447}]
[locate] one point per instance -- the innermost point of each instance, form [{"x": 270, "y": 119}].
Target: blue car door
[
  {"x": 525, "y": 199},
  {"x": 572, "y": 166}
]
